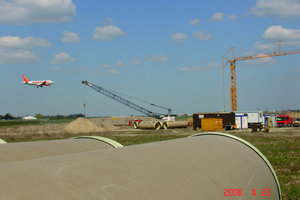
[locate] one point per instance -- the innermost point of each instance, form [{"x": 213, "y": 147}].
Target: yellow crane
[{"x": 233, "y": 73}]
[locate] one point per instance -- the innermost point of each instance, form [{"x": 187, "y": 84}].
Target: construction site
[{"x": 205, "y": 155}]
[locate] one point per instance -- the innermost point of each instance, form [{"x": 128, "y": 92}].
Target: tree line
[{"x": 9, "y": 116}]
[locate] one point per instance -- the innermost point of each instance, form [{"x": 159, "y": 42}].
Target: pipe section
[
  {"x": 2, "y": 141},
  {"x": 136, "y": 124},
  {"x": 12, "y": 152},
  {"x": 149, "y": 125},
  {"x": 208, "y": 166},
  {"x": 175, "y": 124},
  {"x": 102, "y": 139}
]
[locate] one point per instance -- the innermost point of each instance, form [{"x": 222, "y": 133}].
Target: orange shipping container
[{"x": 212, "y": 124}]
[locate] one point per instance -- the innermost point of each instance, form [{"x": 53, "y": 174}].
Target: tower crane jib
[{"x": 233, "y": 69}]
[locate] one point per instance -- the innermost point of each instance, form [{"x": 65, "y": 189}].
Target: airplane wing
[{"x": 43, "y": 83}]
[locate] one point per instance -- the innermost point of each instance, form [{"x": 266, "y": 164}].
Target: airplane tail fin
[{"x": 25, "y": 78}]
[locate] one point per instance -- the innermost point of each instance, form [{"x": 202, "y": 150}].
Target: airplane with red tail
[{"x": 37, "y": 83}]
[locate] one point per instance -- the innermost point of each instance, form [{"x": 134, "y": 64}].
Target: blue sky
[{"x": 165, "y": 52}]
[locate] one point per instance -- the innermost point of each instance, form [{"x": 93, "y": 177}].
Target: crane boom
[
  {"x": 233, "y": 73},
  {"x": 122, "y": 100},
  {"x": 265, "y": 55}
]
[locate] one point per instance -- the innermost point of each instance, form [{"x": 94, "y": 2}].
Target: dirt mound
[
  {"x": 108, "y": 125},
  {"x": 105, "y": 123},
  {"x": 81, "y": 125}
]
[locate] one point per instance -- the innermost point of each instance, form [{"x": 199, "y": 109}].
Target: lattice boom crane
[
  {"x": 233, "y": 70},
  {"x": 125, "y": 101}
]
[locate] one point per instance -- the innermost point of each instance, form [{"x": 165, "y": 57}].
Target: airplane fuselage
[{"x": 40, "y": 83}]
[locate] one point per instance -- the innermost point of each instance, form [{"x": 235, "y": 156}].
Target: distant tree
[
  {"x": 76, "y": 115},
  {"x": 38, "y": 116},
  {"x": 8, "y": 116},
  {"x": 59, "y": 116}
]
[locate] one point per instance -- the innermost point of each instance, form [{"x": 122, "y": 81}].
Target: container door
[
  {"x": 238, "y": 122},
  {"x": 245, "y": 122}
]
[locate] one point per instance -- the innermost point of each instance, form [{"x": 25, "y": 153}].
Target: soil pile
[
  {"x": 105, "y": 123},
  {"x": 81, "y": 125},
  {"x": 108, "y": 125}
]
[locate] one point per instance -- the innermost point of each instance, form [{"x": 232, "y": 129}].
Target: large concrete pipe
[
  {"x": 2, "y": 141},
  {"x": 136, "y": 124},
  {"x": 12, "y": 152},
  {"x": 149, "y": 125},
  {"x": 209, "y": 166},
  {"x": 175, "y": 124}
]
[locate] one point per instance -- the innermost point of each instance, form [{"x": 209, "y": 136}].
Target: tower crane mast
[
  {"x": 233, "y": 69},
  {"x": 125, "y": 101}
]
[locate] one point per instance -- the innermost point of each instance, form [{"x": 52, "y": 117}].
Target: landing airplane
[{"x": 37, "y": 83}]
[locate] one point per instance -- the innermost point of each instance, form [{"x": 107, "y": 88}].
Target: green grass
[
  {"x": 283, "y": 152},
  {"x": 20, "y": 122},
  {"x": 143, "y": 139},
  {"x": 183, "y": 118}
]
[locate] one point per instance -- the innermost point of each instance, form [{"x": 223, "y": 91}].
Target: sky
[{"x": 164, "y": 52}]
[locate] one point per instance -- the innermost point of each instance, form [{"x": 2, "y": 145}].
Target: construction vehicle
[
  {"x": 233, "y": 72},
  {"x": 296, "y": 122},
  {"x": 284, "y": 120},
  {"x": 128, "y": 103}
]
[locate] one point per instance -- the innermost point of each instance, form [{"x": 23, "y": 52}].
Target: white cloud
[
  {"x": 193, "y": 68},
  {"x": 158, "y": 59},
  {"x": 61, "y": 58},
  {"x": 27, "y": 42},
  {"x": 98, "y": 72},
  {"x": 16, "y": 50},
  {"x": 232, "y": 17},
  {"x": 21, "y": 12},
  {"x": 202, "y": 36},
  {"x": 119, "y": 64},
  {"x": 70, "y": 37},
  {"x": 213, "y": 65},
  {"x": 107, "y": 32},
  {"x": 178, "y": 38},
  {"x": 113, "y": 71},
  {"x": 105, "y": 66},
  {"x": 17, "y": 57},
  {"x": 77, "y": 70},
  {"x": 135, "y": 61},
  {"x": 109, "y": 19},
  {"x": 278, "y": 8},
  {"x": 194, "y": 21},
  {"x": 266, "y": 46},
  {"x": 56, "y": 69},
  {"x": 82, "y": 69},
  {"x": 218, "y": 17},
  {"x": 288, "y": 36}
]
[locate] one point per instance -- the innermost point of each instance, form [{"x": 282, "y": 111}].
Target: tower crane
[
  {"x": 233, "y": 71},
  {"x": 126, "y": 102}
]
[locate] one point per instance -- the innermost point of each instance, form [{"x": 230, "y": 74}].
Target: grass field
[
  {"x": 280, "y": 146},
  {"x": 283, "y": 152},
  {"x": 20, "y": 122}
]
